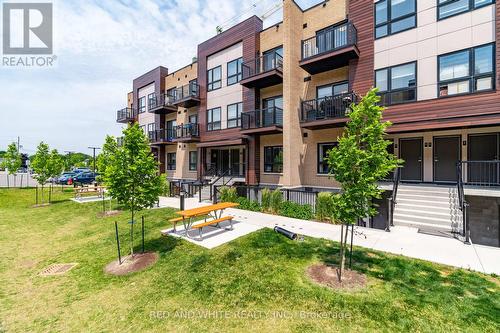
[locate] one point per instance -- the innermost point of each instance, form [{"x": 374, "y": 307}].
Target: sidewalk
[{"x": 401, "y": 240}]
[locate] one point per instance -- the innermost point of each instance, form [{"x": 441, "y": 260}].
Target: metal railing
[
  {"x": 481, "y": 173},
  {"x": 262, "y": 64},
  {"x": 187, "y": 131},
  {"x": 396, "y": 180},
  {"x": 330, "y": 39},
  {"x": 189, "y": 90},
  {"x": 327, "y": 107},
  {"x": 462, "y": 204},
  {"x": 272, "y": 116},
  {"x": 217, "y": 170},
  {"x": 126, "y": 114},
  {"x": 160, "y": 101},
  {"x": 162, "y": 135}
]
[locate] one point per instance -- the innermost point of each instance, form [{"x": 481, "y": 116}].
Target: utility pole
[{"x": 94, "y": 149}]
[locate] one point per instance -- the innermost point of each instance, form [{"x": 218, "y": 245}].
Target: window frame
[
  {"x": 389, "y": 83},
  {"x": 332, "y": 85},
  {"x": 272, "y": 164},
  {"x": 193, "y": 167},
  {"x": 239, "y": 111},
  {"x": 210, "y": 84},
  {"x": 210, "y": 112},
  {"x": 142, "y": 109},
  {"x": 171, "y": 166},
  {"x": 471, "y": 7},
  {"x": 471, "y": 77},
  {"x": 151, "y": 97},
  {"x": 390, "y": 21},
  {"x": 239, "y": 71},
  {"x": 318, "y": 160}
]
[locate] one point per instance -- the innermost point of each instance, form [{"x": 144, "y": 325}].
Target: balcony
[
  {"x": 161, "y": 136},
  {"x": 262, "y": 72},
  {"x": 161, "y": 104},
  {"x": 187, "y": 96},
  {"x": 265, "y": 121},
  {"x": 126, "y": 115},
  {"x": 330, "y": 49},
  {"x": 326, "y": 111},
  {"x": 187, "y": 133}
]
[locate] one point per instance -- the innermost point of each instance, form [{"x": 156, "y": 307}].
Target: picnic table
[
  {"x": 79, "y": 191},
  {"x": 212, "y": 214}
]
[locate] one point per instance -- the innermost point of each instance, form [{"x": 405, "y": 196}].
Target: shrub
[
  {"x": 295, "y": 210},
  {"x": 246, "y": 204},
  {"x": 165, "y": 186},
  {"x": 324, "y": 206},
  {"x": 276, "y": 200},
  {"x": 228, "y": 194},
  {"x": 266, "y": 200}
]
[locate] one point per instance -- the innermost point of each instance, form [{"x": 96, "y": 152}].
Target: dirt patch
[
  {"x": 41, "y": 205},
  {"x": 328, "y": 276},
  {"x": 110, "y": 213},
  {"x": 131, "y": 264}
]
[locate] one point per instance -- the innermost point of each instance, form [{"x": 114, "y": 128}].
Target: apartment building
[{"x": 266, "y": 105}]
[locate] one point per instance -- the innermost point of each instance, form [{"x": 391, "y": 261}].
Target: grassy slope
[{"x": 260, "y": 272}]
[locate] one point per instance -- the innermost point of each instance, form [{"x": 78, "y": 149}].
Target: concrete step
[
  {"x": 424, "y": 203},
  {"x": 438, "y": 220},
  {"x": 441, "y": 208},
  {"x": 422, "y": 225},
  {"x": 423, "y": 193},
  {"x": 422, "y": 197},
  {"x": 423, "y": 213},
  {"x": 434, "y": 189}
]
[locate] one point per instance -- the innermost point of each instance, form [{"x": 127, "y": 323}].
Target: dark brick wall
[{"x": 484, "y": 217}]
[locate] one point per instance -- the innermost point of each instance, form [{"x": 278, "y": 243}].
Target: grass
[{"x": 256, "y": 283}]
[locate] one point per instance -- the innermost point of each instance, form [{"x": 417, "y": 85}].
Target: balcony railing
[
  {"x": 480, "y": 173},
  {"x": 125, "y": 115},
  {"x": 327, "y": 107},
  {"x": 159, "y": 102},
  {"x": 329, "y": 40},
  {"x": 191, "y": 90},
  {"x": 272, "y": 116},
  {"x": 262, "y": 64},
  {"x": 187, "y": 131},
  {"x": 162, "y": 136}
]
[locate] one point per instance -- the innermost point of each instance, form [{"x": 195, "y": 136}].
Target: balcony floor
[
  {"x": 263, "y": 80},
  {"x": 329, "y": 60},
  {"x": 263, "y": 130}
]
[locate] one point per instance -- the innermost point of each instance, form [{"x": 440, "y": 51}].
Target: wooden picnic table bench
[{"x": 79, "y": 191}]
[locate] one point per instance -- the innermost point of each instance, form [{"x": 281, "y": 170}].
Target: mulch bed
[
  {"x": 131, "y": 264},
  {"x": 326, "y": 275},
  {"x": 110, "y": 213}
]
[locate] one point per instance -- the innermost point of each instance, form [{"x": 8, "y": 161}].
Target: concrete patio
[{"x": 401, "y": 240}]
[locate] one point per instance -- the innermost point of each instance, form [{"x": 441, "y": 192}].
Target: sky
[{"x": 101, "y": 46}]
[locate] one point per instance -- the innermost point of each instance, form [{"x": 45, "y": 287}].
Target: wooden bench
[
  {"x": 86, "y": 190},
  {"x": 212, "y": 222},
  {"x": 174, "y": 221}
]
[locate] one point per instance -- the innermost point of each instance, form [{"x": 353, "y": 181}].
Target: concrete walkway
[{"x": 401, "y": 240}]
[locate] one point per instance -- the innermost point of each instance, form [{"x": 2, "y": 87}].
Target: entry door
[
  {"x": 446, "y": 156},
  {"x": 223, "y": 161},
  {"x": 235, "y": 162},
  {"x": 411, "y": 151},
  {"x": 483, "y": 147}
]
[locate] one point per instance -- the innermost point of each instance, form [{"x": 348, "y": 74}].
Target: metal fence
[{"x": 481, "y": 173}]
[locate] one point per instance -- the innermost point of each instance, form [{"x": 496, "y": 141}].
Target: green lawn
[{"x": 262, "y": 274}]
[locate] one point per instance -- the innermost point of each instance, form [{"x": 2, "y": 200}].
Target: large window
[
  {"x": 234, "y": 115},
  {"x": 273, "y": 59},
  {"x": 466, "y": 71},
  {"x": 397, "y": 84},
  {"x": 273, "y": 159},
  {"x": 151, "y": 100},
  {"x": 393, "y": 16},
  {"x": 142, "y": 104},
  {"x": 234, "y": 71},
  {"x": 193, "y": 160},
  {"x": 447, "y": 8},
  {"x": 214, "y": 78},
  {"x": 213, "y": 119},
  {"x": 333, "y": 89},
  {"x": 323, "y": 150},
  {"x": 171, "y": 161},
  {"x": 171, "y": 129}
]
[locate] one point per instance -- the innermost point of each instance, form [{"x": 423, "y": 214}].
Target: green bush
[
  {"x": 246, "y": 204},
  {"x": 276, "y": 200},
  {"x": 295, "y": 210},
  {"x": 266, "y": 200},
  {"x": 228, "y": 194},
  {"x": 324, "y": 206},
  {"x": 165, "y": 185}
]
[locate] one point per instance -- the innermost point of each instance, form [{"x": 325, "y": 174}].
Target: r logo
[{"x": 27, "y": 28}]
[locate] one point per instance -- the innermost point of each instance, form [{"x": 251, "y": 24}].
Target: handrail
[
  {"x": 396, "y": 180},
  {"x": 327, "y": 107},
  {"x": 334, "y": 38},
  {"x": 125, "y": 114},
  {"x": 187, "y": 130},
  {"x": 160, "y": 101},
  {"x": 272, "y": 116},
  {"x": 462, "y": 203},
  {"x": 262, "y": 64},
  {"x": 189, "y": 90},
  {"x": 162, "y": 135}
]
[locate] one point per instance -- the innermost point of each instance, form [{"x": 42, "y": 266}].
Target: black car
[{"x": 84, "y": 178}]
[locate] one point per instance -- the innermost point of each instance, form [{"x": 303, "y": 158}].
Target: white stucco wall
[{"x": 146, "y": 117}]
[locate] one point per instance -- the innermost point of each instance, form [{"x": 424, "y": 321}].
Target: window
[
  {"x": 151, "y": 131},
  {"x": 213, "y": 119},
  {"x": 193, "y": 119},
  {"x": 171, "y": 161},
  {"x": 273, "y": 159},
  {"x": 234, "y": 115},
  {"x": 447, "y": 8},
  {"x": 142, "y": 104},
  {"x": 332, "y": 90},
  {"x": 323, "y": 150},
  {"x": 397, "y": 84},
  {"x": 273, "y": 59},
  {"x": 172, "y": 94},
  {"x": 193, "y": 160},
  {"x": 393, "y": 16},
  {"x": 171, "y": 129},
  {"x": 234, "y": 71},
  {"x": 466, "y": 71},
  {"x": 151, "y": 100},
  {"x": 214, "y": 78}
]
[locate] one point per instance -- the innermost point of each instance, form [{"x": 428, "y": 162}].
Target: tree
[
  {"x": 132, "y": 175},
  {"x": 358, "y": 163},
  {"x": 41, "y": 164},
  {"x": 55, "y": 164},
  {"x": 104, "y": 159},
  {"x": 12, "y": 161}
]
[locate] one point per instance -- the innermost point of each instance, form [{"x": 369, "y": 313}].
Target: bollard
[{"x": 181, "y": 197}]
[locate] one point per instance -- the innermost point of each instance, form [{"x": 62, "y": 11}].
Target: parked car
[
  {"x": 78, "y": 170},
  {"x": 84, "y": 178},
  {"x": 63, "y": 179}
]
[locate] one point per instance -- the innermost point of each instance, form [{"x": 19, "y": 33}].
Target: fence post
[
  {"x": 37, "y": 195},
  {"x": 214, "y": 197},
  {"x": 287, "y": 195},
  {"x": 389, "y": 214},
  {"x": 142, "y": 233},
  {"x": 466, "y": 223},
  {"x": 118, "y": 243}
]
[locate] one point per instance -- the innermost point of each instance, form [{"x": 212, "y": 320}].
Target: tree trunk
[
  {"x": 343, "y": 246},
  {"x": 8, "y": 185},
  {"x": 42, "y": 196},
  {"x": 21, "y": 185},
  {"x": 15, "y": 176},
  {"x": 132, "y": 235}
]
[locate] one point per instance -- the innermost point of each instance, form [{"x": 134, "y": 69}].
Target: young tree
[
  {"x": 12, "y": 162},
  {"x": 358, "y": 163},
  {"x": 104, "y": 158},
  {"x": 55, "y": 164},
  {"x": 41, "y": 164},
  {"x": 132, "y": 175}
]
